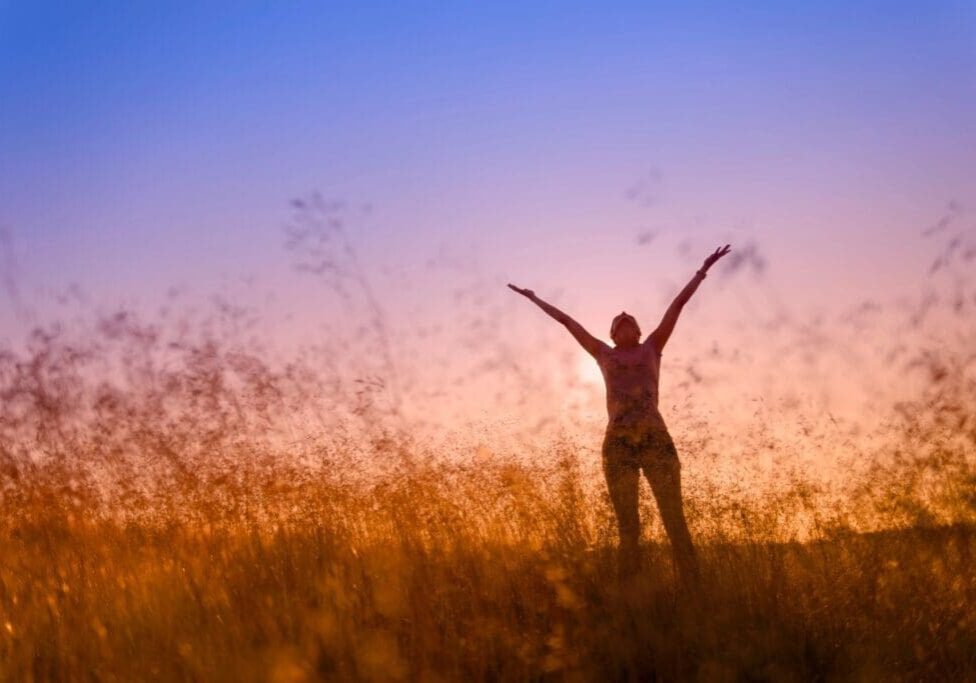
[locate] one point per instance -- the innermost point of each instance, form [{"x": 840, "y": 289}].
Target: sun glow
[{"x": 588, "y": 370}]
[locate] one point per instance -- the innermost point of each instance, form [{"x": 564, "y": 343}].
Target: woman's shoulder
[{"x": 650, "y": 347}]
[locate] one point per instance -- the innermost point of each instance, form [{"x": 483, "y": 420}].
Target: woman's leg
[
  {"x": 663, "y": 471},
  {"x": 622, "y": 479}
]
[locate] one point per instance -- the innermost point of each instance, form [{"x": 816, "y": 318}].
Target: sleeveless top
[{"x": 631, "y": 378}]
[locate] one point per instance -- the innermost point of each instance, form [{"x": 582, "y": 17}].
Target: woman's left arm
[{"x": 659, "y": 337}]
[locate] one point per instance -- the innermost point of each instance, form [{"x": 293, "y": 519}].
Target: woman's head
[{"x": 624, "y": 330}]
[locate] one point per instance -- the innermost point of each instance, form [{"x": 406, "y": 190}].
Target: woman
[{"x": 636, "y": 438}]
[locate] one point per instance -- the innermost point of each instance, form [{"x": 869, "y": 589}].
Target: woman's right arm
[{"x": 592, "y": 345}]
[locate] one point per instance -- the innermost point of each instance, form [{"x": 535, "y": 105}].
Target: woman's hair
[{"x": 624, "y": 315}]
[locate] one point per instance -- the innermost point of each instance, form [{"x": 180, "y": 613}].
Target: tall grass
[{"x": 176, "y": 506}]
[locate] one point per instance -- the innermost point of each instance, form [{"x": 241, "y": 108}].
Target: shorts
[{"x": 629, "y": 448}]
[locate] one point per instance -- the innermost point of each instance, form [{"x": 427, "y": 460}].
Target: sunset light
[{"x": 487, "y": 342}]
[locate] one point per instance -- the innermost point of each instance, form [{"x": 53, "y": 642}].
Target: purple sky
[{"x": 595, "y": 154}]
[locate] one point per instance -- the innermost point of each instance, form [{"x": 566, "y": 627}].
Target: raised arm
[
  {"x": 592, "y": 345},
  {"x": 659, "y": 337}
]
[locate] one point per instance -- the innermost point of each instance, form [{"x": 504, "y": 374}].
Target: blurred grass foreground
[
  {"x": 156, "y": 526},
  {"x": 161, "y": 521}
]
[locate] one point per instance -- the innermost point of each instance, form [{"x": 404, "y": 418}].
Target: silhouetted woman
[{"x": 636, "y": 438}]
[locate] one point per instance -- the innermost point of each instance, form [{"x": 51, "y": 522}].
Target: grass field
[
  {"x": 154, "y": 526},
  {"x": 432, "y": 578}
]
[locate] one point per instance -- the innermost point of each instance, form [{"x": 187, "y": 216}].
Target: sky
[{"x": 595, "y": 153}]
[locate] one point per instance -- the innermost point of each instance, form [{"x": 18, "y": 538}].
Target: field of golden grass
[
  {"x": 435, "y": 576},
  {"x": 159, "y": 520},
  {"x": 153, "y": 528}
]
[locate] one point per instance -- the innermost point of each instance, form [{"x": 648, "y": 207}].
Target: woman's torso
[{"x": 631, "y": 378}]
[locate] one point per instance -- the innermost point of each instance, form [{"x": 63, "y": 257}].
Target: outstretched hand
[
  {"x": 524, "y": 292},
  {"x": 715, "y": 256}
]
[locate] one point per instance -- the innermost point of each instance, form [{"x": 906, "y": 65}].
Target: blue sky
[{"x": 148, "y": 145}]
